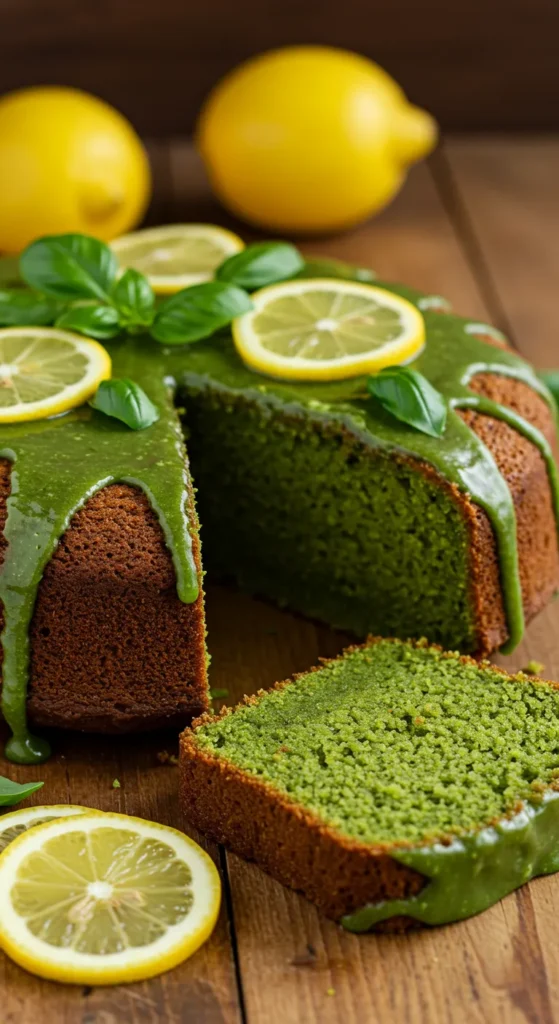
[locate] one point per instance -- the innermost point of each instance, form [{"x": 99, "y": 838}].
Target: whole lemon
[
  {"x": 68, "y": 162},
  {"x": 310, "y": 138}
]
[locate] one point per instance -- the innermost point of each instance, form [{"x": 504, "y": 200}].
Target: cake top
[{"x": 398, "y": 743}]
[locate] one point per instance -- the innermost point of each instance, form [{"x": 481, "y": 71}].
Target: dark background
[{"x": 476, "y": 64}]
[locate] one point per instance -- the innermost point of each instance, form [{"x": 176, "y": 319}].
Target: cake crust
[{"x": 113, "y": 649}]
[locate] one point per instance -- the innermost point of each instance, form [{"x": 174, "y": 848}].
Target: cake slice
[{"x": 398, "y": 783}]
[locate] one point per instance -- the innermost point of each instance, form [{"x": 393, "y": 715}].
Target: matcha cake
[
  {"x": 310, "y": 494},
  {"x": 398, "y": 784}
]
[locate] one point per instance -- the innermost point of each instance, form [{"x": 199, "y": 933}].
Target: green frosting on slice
[{"x": 473, "y": 872}]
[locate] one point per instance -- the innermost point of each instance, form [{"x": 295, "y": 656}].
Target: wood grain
[
  {"x": 476, "y": 65},
  {"x": 272, "y": 957}
]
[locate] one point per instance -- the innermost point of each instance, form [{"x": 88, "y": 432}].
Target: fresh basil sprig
[
  {"x": 261, "y": 264},
  {"x": 12, "y": 792},
  {"x": 75, "y": 268},
  {"x": 22, "y": 308},
  {"x": 411, "y": 398},
  {"x": 94, "y": 319},
  {"x": 134, "y": 299},
  {"x": 197, "y": 312},
  {"x": 70, "y": 267},
  {"x": 126, "y": 401}
]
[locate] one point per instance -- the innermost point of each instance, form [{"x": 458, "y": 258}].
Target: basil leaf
[
  {"x": 12, "y": 792},
  {"x": 198, "y": 312},
  {"x": 126, "y": 401},
  {"x": 551, "y": 380},
  {"x": 261, "y": 264},
  {"x": 23, "y": 308},
  {"x": 410, "y": 397},
  {"x": 9, "y": 272},
  {"x": 69, "y": 267},
  {"x": 93, "y": 319},
  {"x": 133, "y": 296},
  {"x": 338, "y": 269}
]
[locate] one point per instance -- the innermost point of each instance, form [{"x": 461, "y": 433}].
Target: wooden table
[{"x": 479, "y": 225}]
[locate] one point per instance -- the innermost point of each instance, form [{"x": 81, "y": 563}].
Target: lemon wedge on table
[
  {"x": 326, "y": 329},
  {"x": 45, "y": 371},
  {"x": 105, "y": 899},
  {"x": 178, "y": 255},
  {"x": 16, "y": 823}
]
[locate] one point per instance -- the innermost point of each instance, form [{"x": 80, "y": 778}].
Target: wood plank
[
  {"x": 295, "y": 965},
  {"x": 505, "y": 197}
]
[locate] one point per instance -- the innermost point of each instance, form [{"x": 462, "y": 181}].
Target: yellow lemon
[
  {"x": 68, "y": 162},
  {"x": 310, "y": 139}
]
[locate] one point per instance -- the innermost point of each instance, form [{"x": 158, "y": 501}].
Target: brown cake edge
[{"x": 113, "y": 649}]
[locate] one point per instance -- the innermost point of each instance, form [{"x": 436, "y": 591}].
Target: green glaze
[
  {"x": 452, "y": 356},
  {"x": 60, "y": 463},
  {"x": 475, "y": 871}
]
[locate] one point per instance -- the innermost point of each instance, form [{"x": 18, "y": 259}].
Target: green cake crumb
[
  {"x": 534, "y": 668},
  {"x": 395, "y": 742},
  {"x": 116, "y": 784},
  {"x": 321, "y": 522}
]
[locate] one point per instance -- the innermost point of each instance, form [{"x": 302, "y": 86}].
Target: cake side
[
  {"x": 264, "y": 475},
  {"x": 113, "y": 649},
  {"x": 492, "y": 752},
  {"x": 525, "y": 472}
]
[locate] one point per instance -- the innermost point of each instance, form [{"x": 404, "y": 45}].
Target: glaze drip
[
  {"x": 474, "y": 871},
  {"x": 60, "y": 463}
]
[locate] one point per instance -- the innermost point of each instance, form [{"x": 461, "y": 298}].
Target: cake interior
[
  {"x": 306, "y": 513},
  {"x": 395, "y": 742}
]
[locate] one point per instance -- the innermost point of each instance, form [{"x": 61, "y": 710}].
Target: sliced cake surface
[{"x": 349, "y": 780}]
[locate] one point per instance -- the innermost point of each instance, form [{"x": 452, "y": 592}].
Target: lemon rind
[
  {"x": 112, "y": 969},
  {"x": 72, "y": 395},
  {"x": 165, "y": 284},
  {"x": 400, "y": 351}
]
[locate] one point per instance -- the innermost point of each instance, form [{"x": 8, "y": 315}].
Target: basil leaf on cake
[
  {"x": 125, "y": 401},
  {"x": 409, "y": 396}
]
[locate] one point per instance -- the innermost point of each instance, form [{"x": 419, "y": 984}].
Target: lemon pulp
[
  {"x": 14, "y": 824},
  {"x": 177, "y": 256},
  {"x": 105, "y": 898},
  {"x": 326, "y": 329},
  {"x": 45, "y": 371}
]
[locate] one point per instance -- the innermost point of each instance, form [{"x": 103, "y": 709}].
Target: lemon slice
[
  {"x": 105, "y": 899},
  {"x": 326, "y": 329},
  {"x": 44, "y": 371},
  {"x": 15, "y": 823},
  {"x": 178, "y": 255}
]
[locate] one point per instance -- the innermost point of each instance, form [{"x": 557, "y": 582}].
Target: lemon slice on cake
[
  {"x": 14, "y": 824},
  {"x": 178, "y": 255},
  {"x": 105, "y": 899},
  {"x": 45, "y": 371},
  {"x": 326, "y": 329}
]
